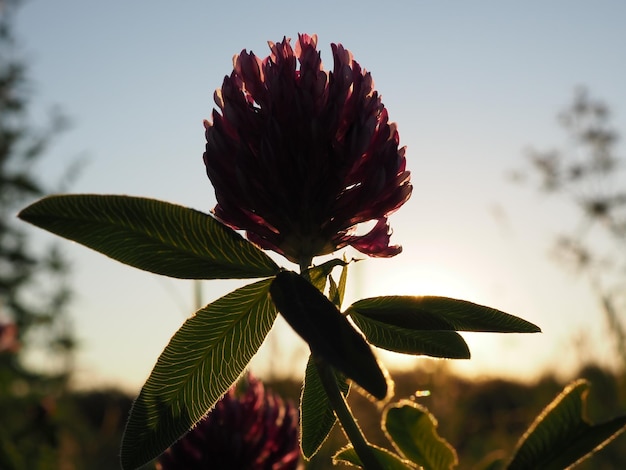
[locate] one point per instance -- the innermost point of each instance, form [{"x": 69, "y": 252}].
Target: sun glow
[
  {"x": 425, "y": 279},
  {"x": 436, "y": 277}
]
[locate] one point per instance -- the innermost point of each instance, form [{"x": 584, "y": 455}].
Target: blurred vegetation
[
  {"x": 483, "y": 419},
  {"x": 34, "y": 287},
  {"x": 36, "y": 338},
  {"x": 587, "y": 173}
]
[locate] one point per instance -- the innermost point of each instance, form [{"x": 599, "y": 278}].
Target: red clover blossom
[
  {"x": 299, "y": 157},
  {"x": 249, "y": 429}
]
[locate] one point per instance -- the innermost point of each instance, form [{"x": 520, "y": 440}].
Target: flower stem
[
  {"x": 345, "y": 416},
  {"x": 339, "y": 403},
  {"x": 304, "y": 265}
]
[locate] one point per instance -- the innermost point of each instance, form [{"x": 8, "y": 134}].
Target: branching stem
[{"x": 339, "y": 403}]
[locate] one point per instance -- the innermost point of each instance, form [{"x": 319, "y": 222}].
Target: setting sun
[{"x": 425, "y": 278}]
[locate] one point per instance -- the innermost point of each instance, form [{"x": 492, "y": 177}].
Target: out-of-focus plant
[
  {"x": 249, "y": 428},
  {"x": 589, "y": 173},
  {"x": 34, "y": 287},
  {"x": 34, "y": 291},
  {"x": 305, "y": 161}
]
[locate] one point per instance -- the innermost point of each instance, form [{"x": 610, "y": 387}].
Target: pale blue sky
[{"x": 470, "y": 84}]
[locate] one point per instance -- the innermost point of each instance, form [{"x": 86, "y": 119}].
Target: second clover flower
[{"x": 300, "y": 156}]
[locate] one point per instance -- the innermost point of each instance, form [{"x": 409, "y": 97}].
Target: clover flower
[
  {"x": 9, "y": 341},
  {"x": 300, "y": 157},
  {"x": 249, "y": 429}
]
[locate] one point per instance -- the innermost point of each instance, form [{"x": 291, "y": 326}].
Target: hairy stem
[
  {"x": 339, "y": 403},
  {"x": 345, "y": 416}
]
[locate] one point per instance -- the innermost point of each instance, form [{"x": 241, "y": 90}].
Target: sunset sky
[{"x": 472, "y": 85}]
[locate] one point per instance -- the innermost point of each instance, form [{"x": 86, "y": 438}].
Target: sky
[{"x": 471, "y": 85}]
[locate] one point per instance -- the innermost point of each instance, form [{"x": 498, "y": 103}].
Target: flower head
[
  {"x": 300, "y": 156},
  {"x": 249, "y": 428},
  {"x": 9, "y": 341}
]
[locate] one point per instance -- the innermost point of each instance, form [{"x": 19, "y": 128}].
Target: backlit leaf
[
  {"x": 328, "y": 333},
  {"x": 447, "y": 344},
  {"x": 319, "y": 274},
  {"x": 388, "y": 460},
  {"x": 338, "y": 291},
  {"x": 152, "y": 235},
  {"x": 343, "y": 281},
  {"x": 317, "y": 415},
  {"x": 203, "y": 359},
  {"x": 413, "y": 432},
  {"x": 333, "y": 292},
  {"x": 439, "y": 313},
  {"x": 561, "y": 436}
]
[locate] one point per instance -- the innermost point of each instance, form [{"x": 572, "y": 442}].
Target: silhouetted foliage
[
  {"x": 34, "y": 291},
  {"x": 33, "y": 281},
  {"x": 482, "y": 419}
]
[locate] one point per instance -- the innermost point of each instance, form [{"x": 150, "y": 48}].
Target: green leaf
[
  {"x": 152, "y": 235},
  {"x": 447, "y": 344},
  {"x": 319, "y": 274},
  {"x": 338, "y": 291},
  {"x": 388, "y": 460},
  {"x": 343, "y": 281},
  {"x": 328, "y": 333},
  {"x": 201, "y": 362},
  {"x": 317, "y": 417},
  {"x": 333, "y": 292},
  {"x": 413, "y": 432},
  {"x": 561, "y": 436},
  {"x": 439, "y": 313}
]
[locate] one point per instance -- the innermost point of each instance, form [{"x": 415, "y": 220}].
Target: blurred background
[{"x": 511, "y": 114}]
